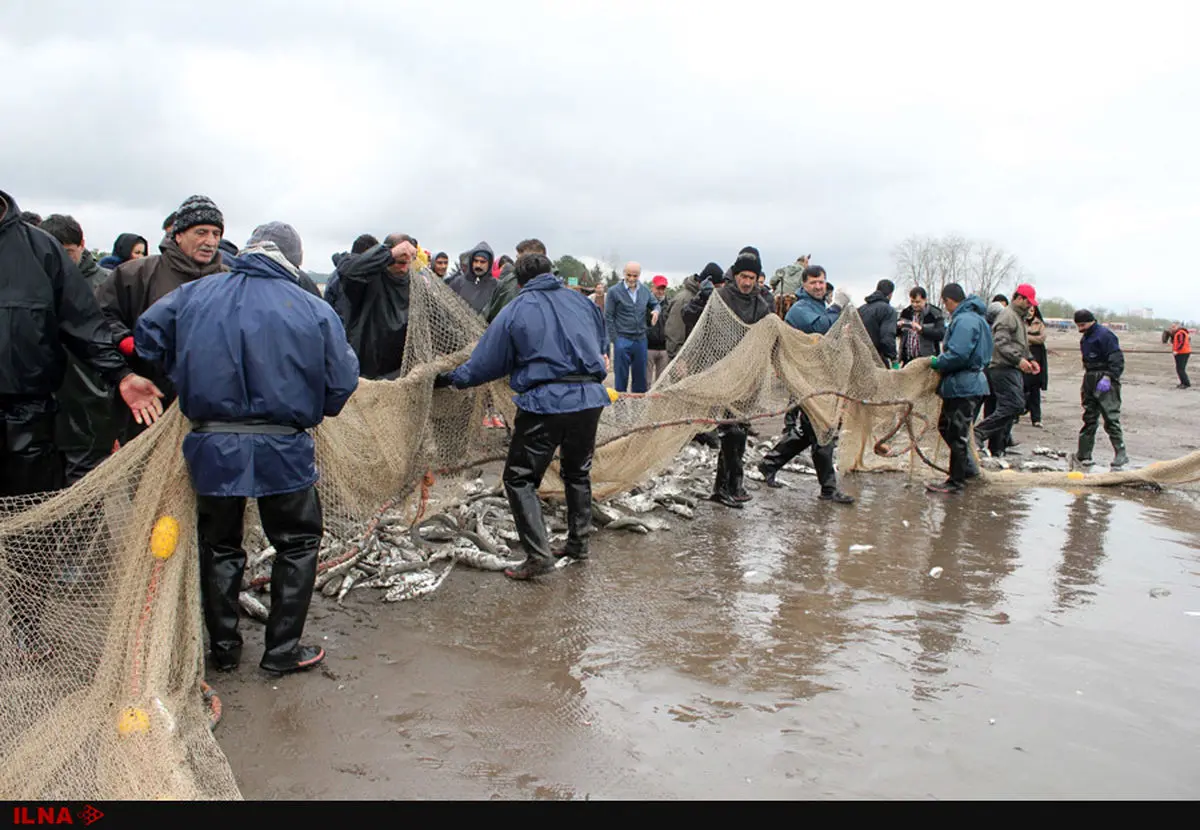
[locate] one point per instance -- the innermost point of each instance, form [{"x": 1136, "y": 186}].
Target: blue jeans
[{"x": 629, "y": 355}]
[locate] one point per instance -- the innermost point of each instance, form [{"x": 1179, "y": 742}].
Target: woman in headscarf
[{"x": 128, "y": 246}]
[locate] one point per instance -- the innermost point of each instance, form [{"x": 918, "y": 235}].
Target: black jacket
[
  {"x": 749, "y": 308},
  {"x": 933, "y": 331},
  {"x": 656, "y": 335},
  {"x": 375, "y": 304},
  {"x": 880, "y": 318},
  {"x": 45, "y": 305}
]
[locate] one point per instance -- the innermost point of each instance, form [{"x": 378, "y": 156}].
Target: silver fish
[
  {"x": 630, "y": 523},
  {"x": 253, "y": 606}
]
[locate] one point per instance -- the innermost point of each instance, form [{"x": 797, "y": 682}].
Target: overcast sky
[{"x": 672, "y": 133}]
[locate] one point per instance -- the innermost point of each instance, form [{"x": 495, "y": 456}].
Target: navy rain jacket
[{"x": 250, "y": 343}]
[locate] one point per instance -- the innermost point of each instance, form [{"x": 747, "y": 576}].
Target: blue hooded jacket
[
  {"x": 811, "y": 315},
  {"x": 250, "y": 343},
  {"x": 966, "y": 352},
  {"x": 547, "y": 332}
]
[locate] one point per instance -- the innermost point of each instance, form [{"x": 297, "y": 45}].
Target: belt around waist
[
  {"x": 249, "y": 426},
  {"x": 566, "y": 379}
]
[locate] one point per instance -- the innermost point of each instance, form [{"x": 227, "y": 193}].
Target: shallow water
[{"x": 750, "y": 654}]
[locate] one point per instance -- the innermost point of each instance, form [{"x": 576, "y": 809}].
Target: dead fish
[
  {"x": 629, "y": 523},
  {"x": 481, "y": 560},
  {"x": 253, "y": 606},
  {"x": 602, "y": 514},
  {"x": 654, "y": 524},
  {"x": 264, "y": 556},
  {"x": 1039, "y": 467},
  {"x": 642, "y": 503},
  {"x": 681, "y": 510},
  {"x": 348, "y": 583},
  {"x": 410, "y": 585}
]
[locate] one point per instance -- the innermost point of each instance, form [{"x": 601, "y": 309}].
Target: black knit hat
[
  {"x": 713, "y": 272},
  {"x": 197, "y": 210},
  {"x": 747, "y": 262},
  {"x": 1084, "y": 316}
]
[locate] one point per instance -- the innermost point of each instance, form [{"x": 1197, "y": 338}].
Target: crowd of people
[{"x": 256, "y": 357}]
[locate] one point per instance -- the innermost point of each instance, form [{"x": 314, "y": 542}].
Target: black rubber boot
[
  {"x": 222, "y": 563},
  {"x": 293, "y": 524}
]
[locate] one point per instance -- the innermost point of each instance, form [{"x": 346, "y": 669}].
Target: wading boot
[
  {"x": 299, "y": 659},
  {"x": 1121, "y": 458},
  {"x": 529, "y": 569}
]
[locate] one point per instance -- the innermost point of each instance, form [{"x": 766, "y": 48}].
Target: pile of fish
[
  {"x": 1031, "y": 466},
  {"x": 407, "y": 562}
]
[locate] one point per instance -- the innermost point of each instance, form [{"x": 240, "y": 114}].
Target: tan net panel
[{"x": 107, "y": 570}]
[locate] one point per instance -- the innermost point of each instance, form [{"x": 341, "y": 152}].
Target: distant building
[{"x": 1143, "y": 313}]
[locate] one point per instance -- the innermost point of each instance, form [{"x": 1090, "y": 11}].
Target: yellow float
[
  {"x": 164, "y": 538},
  {"x": 613, "y": 394},
  {"x": 133, "y": 721},
  {"x": 1075, "y": 475}
]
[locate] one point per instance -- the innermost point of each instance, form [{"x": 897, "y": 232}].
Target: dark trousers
[
  {"x": 799, "y": 435},
  {"x": 1033, "y": 398},
  {"x": 1181, "y": 361},
  {"x": 293, "y": 524},
  {"x": 1106, "y": 406},
  {"x": 954, "y": 425},
  {"x": 534, "y": 440},
  {"x": 30, "y": 466},
  {"x": 730, "y": 469},
  {"x": 1009, "y": 388}
]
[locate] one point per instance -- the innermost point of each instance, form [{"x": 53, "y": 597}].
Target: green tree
[
  {"x": 1057, "y": 307},
  {"x": 613, "y": 279},
  {"x": 595, "y": 276},
  {"x": 569, "y": 268}
]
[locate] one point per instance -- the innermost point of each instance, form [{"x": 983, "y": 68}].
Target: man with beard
[
  {"x": 376, "y": 284},
  {"x": 810, "y": 315},
  {"x": 476, "y": 285},
  {"x": 550, "y": 341},
  {"x": 85, "y": 427},
  {"x": 743, "y": 298},
  {"x": 188, "y": 252}
]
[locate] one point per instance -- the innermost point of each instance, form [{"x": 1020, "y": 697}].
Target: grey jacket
[{"x": 1010, "y": 345}]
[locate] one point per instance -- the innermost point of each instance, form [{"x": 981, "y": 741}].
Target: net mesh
[{"x": 106, "y": 573}]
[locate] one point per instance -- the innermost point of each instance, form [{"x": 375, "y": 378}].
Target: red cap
[
  {"x": 1026, "y": 290},
  {"x": 659, "y": 280}
]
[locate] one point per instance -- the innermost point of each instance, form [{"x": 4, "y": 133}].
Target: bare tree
[
  {"x": 913, "y": 259},
  {"x": 991, "y": 267}
]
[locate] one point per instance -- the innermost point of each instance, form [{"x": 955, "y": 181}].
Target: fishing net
[{"x": 105, "y": 574}]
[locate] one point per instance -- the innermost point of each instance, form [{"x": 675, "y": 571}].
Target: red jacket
[{"x": 1181, "y": 342}]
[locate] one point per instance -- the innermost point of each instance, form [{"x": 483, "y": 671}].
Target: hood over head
[{"x": 123, "y": 247}]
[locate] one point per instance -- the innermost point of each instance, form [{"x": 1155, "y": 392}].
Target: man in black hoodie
[
  {"x": 85, "y": 427},
  {"x": 743, "y": 298},
  {"x": 476, "y": 285},
  {"x": 880, "y": 319},
  {"x": 375, "y": 287}
]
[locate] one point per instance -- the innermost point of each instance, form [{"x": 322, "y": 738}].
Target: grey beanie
[
  {"x": 285, "y": 238},
  {"x": 197, "y": 210}
]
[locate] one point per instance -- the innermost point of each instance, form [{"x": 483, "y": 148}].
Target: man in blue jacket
[
  {"x": 550, "y": 340},
  {"x": 809, "y": 314},
  {"x": 625, "y": 308},
  {"x": 257, "y": 361},
  {"x": 965, "y": 355},
  {"x": 1103, "y": 365}
]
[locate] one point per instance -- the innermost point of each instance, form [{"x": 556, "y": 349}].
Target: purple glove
[{"x": 1105, "y": 385}]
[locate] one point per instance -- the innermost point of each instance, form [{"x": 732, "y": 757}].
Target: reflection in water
[{"x": 1083, "y": 550}]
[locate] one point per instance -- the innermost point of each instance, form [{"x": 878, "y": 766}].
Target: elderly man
[
  {"x": 48, "y": 310},
  {"x": 1011, "y": 359},
  {"x": 625, "y": 308},
  {"x": 188, "y": 252},
  {"x": 258, "y": 361},
  {"x": 742, "y": 297},
  {"x": 375, "y": 287},
  {"x": 1103, "y": 365},
  {"x": 550, "y": 342}
]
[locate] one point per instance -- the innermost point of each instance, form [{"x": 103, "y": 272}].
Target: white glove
[{"x": 840, "y": 298}]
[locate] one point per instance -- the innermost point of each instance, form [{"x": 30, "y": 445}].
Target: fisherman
[
  {"x": 333, "y": 289},
  {"x": 787, "y": 284},
  {"x": 625, "y": 308},
  {"x": 1181, "y": 347},
  {"x": 921, "y": 328},
  {"x": 677, "y": 330},
  {"x": 85, "y": 426},
  {"x": 258, "y": 361},
  {"x": 441, "y": 264},
  {"x": 968, "y": 351},
  {"x": 1103, "y": 365},
  {"x": 879, "y": 318},
  {"x": 742, "y": 297},
  {"x": 810, "y": 315},
  {"x": 376, "y": 286},
  {"x": 1011, "y": 359},
  {"x": 49, "y": 311},
  {"x": 189, "y": 251},
  {"x": 550, "y": 341},
  {"x": 656, "y": 334},
  {"x": 507, "y": 287},
  {"x": 476, "y": 285}
]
